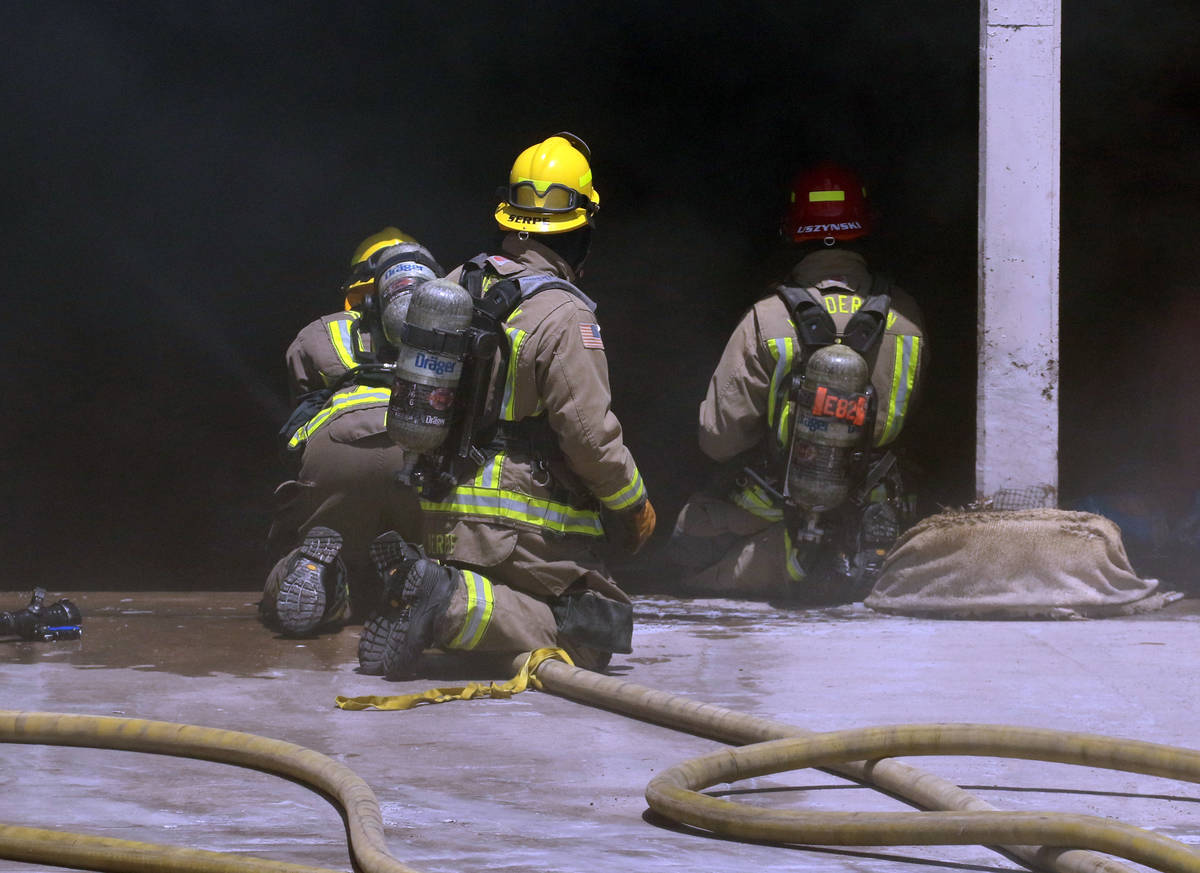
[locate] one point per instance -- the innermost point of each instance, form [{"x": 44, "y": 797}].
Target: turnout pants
[
  {"x": 349, "y": 487},
  {"x": 524, "y": 600},
  {"x": 725, "y": 551}
]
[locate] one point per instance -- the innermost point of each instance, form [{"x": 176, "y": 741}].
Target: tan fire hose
[
  {"x": 673, "y": 794},
  {"x": 365, "y": 826}
]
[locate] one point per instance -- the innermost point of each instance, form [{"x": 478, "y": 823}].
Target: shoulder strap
[
  {"x": 813, "y": 323},
  {"x": 472, "y": 274},
  {"x": 865, "y": 329},
  {"x": 538, "y": 282}
]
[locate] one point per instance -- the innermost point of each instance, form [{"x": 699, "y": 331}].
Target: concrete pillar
[{"x": 1017, "y": 406}]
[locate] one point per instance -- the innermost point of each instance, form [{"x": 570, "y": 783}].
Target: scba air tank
[
  {"x": 429, "y": 365},
  {"x": 831, "y": 412},
  {"x": 397, "y": 278}
]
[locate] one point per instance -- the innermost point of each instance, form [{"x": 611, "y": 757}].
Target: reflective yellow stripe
[
  {"x": 339, "y": 336},
  {"x": 359, "y": 395},
  {"x": 826, "y": 196},
  {"x": 904, "y": 375},
  {"x": 514, "y": 506},
  {"x": 794, "y": 570},
  {"x": 489, "y": 472},
  {"x": 516, "y": 336},
  {"x": 627, "y": 496},
  {"x": 783, "y": 350},
  {"x": 757, "y": 502},
  {"x": 481, "y": 601}
]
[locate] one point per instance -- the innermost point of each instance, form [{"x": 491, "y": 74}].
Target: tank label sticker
[{"x": 828, "y": 403}]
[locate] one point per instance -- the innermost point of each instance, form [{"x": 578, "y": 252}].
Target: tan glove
[{"x": 633, "y": 527}]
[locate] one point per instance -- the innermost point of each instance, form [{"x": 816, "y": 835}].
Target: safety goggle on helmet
[{"x": 549, "y": 188}]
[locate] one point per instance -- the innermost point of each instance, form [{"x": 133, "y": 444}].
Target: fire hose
[{"x": 767, "y": 746}]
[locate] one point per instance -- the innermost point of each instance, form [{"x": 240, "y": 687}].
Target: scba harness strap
[{"x": 815, "y": 328}]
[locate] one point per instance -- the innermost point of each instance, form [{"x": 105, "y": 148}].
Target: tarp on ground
[{"x": 1028, "y": 563}]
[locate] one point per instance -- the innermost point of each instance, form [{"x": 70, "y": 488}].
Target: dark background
[{"x": 184, "y": 184}]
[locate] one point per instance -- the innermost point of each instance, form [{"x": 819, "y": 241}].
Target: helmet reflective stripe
[
  {"x": 794, "y": 570},
  {"x": 904, "y": 375},
  {"x": 826, "y": 196},
  {"x": 358, "y": 396},
  {"x": 343, "y": 345},
  {"x": 757, "y": 502},
  {"x": 783, "y": 350},
  {"x": 627, "y": 496},
  {"x": 481, "y": 601}
]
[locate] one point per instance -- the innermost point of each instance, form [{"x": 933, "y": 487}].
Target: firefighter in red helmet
[{"x": 804, "y": 409}]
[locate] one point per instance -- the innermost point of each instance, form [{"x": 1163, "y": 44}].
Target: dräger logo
[
  {"x": 434, "y": 364},
  {"x": 823, "y": 228}
]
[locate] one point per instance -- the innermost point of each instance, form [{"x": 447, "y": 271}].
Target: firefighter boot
[
  {"x": 313, "y": 591},
  {"x": 416, "y": 593},
  {"x": 878, "y": 532}
]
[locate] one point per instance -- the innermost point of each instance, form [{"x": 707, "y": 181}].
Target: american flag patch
[{"x": 590, "y": 334}]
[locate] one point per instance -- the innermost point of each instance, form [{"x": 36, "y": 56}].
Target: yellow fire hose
[
  {"x": 673, "y": 793},
  {"x": 851, "y": 753},
  {"x": 364, "y": 821}
]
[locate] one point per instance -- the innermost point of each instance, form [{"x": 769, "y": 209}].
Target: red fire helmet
[{"x": 827, "y": 201}]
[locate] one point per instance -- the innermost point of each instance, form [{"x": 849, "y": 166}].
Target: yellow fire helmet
[
  {"x": 361, "y": 277},
  {"x": 550, "y": 188}
]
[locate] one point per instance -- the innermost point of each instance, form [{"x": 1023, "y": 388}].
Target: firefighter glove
[{"x": 633, "y": 527}]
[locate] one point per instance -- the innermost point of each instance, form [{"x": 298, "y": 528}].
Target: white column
[{"x": 1017, "y": 404}]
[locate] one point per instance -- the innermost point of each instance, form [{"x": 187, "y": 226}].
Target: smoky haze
[{"x": 185, "y": 184}]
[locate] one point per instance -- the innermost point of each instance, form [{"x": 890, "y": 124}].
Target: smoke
[{"x": 186, "y": 184}]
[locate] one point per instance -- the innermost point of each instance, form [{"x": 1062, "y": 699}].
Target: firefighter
[
  {"x": 512, "y": 555},
  {"x": 742, "y": 536},
  {"x": 347, "y": 489}
]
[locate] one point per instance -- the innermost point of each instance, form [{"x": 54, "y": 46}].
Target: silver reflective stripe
[
  {"x": 904, "y": 376},
  {"x": 481, "y": 602},
  {"x": 339, "y": 336},
  {"x": 783, "y": 349},
  {"x": 627, "y": 496},
  {"x": 514, "y": 506}
]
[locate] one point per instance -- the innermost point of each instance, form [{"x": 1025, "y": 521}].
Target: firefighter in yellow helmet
[
  {"x": 804, "y": 409},
  {"x": 346, "y": 491},
  {"x": 511, "y": 559}
]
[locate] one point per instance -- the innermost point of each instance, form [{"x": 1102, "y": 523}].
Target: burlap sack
[{"x": 1029, "y": 563}]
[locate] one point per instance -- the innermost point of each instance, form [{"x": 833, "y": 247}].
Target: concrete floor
[{"x": 541, "y": 783}]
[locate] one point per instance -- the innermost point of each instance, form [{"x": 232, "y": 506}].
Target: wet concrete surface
[{"x": 541, "y": 783}]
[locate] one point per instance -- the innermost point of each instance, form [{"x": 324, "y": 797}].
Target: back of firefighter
[
  {"x": 518, "y": 542},
  {"x": 346, "y": 491},
  {"x": 731, "y": 538}
]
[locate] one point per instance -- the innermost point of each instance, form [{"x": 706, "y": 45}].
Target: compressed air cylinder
[
  {"x": 831, "y": 412},
  {"x": 429, "y": 367},
  {"x": 396, "y": 280}
]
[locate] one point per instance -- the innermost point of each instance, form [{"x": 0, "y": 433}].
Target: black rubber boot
[
  {"x": 314, "y": 590},
  {"x": 416, "y": 592}
]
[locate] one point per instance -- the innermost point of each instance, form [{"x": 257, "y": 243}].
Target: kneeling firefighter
[
  {"x": 504, "y": 390},
  {"x": 810, "y": 394},
  {"x": 345, "y": 492}
]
